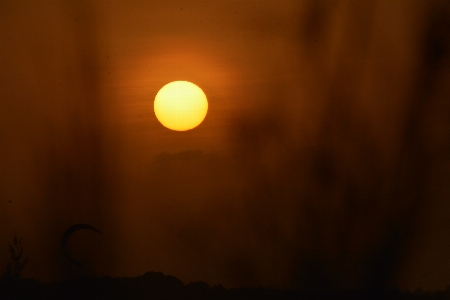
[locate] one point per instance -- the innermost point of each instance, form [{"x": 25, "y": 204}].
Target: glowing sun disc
[{"x": 180, "y": 105}]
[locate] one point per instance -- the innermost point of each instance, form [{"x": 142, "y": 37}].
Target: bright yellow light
[{"x": 180, "y": 105}]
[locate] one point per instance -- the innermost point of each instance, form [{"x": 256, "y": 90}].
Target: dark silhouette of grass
[
  {"x": 156, "y": 285},
  {"x": 15, "y": 267}
]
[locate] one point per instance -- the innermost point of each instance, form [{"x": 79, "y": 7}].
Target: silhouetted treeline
[{"x": 156, "y": 285}]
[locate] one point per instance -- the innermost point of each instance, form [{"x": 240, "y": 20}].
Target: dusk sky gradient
[{"x": 323, "y": 161}]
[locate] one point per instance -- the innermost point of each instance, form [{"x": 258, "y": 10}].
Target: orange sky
[
  {"x": 308, "y": 103},
  {"x": 231, "y": 58}
]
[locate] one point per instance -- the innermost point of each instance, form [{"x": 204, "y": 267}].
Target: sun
[{"x": 180, "y": 105}]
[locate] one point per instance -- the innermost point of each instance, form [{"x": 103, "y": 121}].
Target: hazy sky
[{"x": 323, "y": 160}]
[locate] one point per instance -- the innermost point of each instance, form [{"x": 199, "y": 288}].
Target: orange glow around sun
[{"x": 180, "y": 105}]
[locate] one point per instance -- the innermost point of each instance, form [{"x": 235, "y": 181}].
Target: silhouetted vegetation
[
  {"x": 156, "y": 285},
  {"x": 15, "y": 267}
]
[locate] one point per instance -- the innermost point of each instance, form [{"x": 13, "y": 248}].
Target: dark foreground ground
[{"x": 154, "y": 285}]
